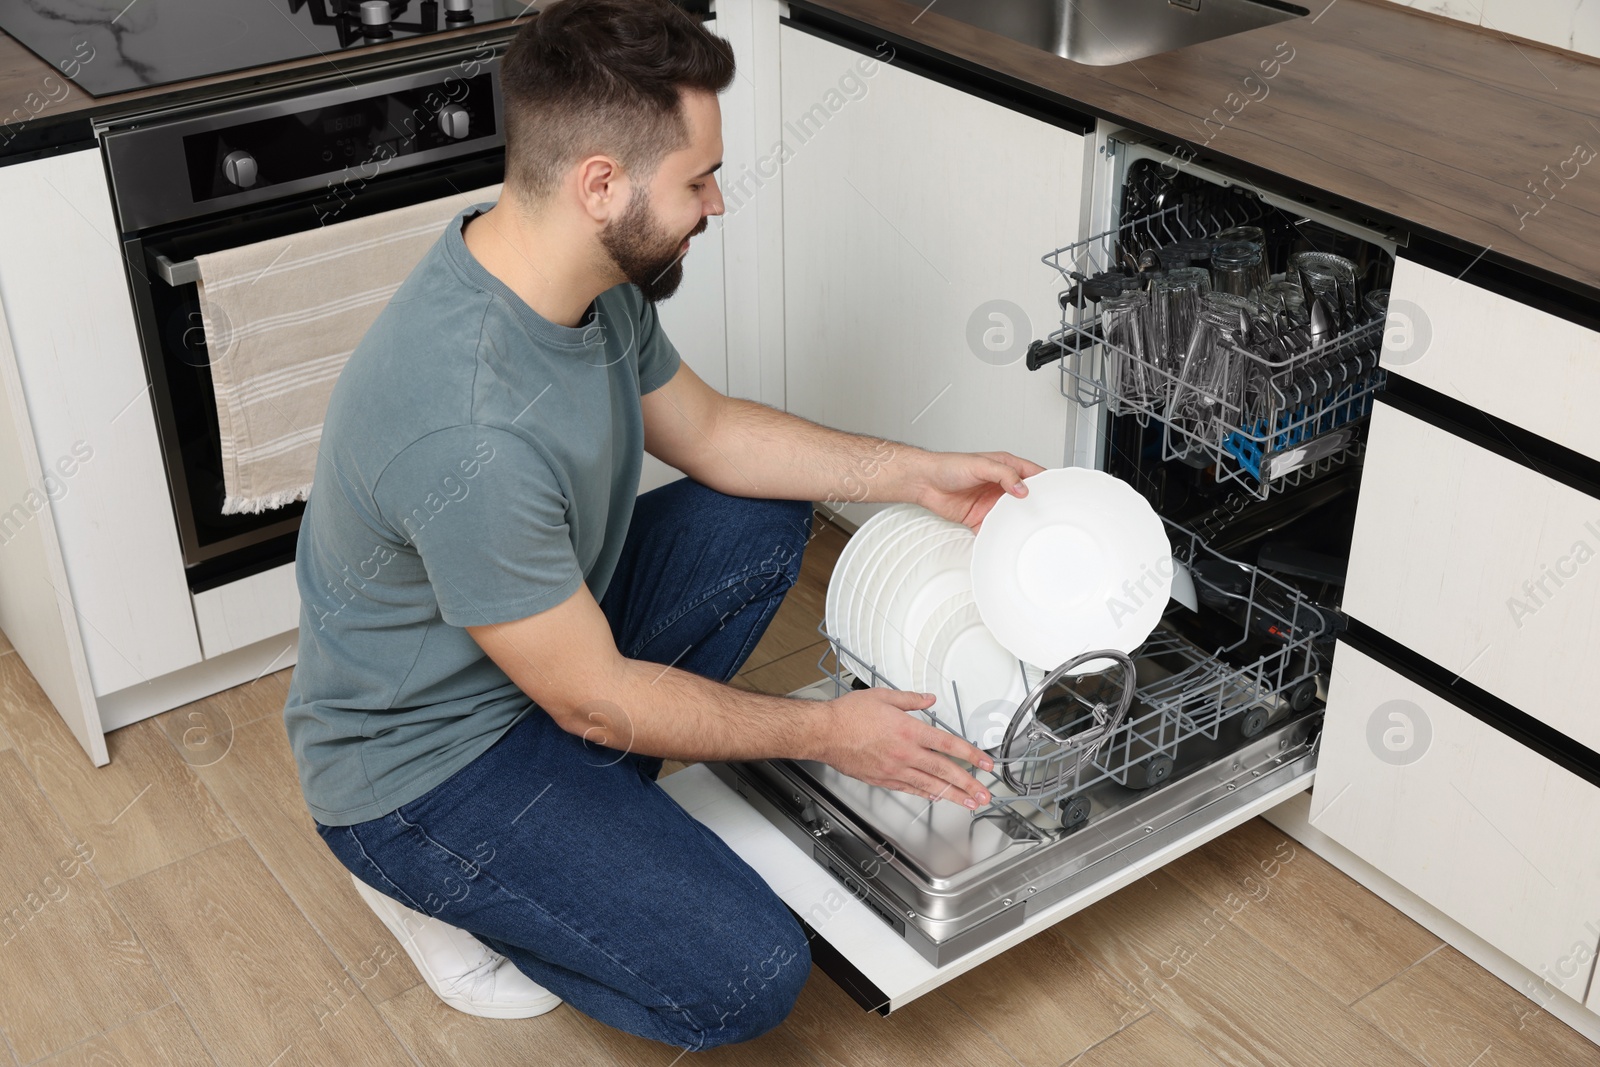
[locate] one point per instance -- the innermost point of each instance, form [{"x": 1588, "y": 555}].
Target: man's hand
[
  {"x": 963, "y": 486},
  {"x": 871, "y": 737}
]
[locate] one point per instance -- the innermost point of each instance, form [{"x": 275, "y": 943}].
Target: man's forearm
[
  {"x": 666, "y": 712},
  {"x": 769, "y": 453}
]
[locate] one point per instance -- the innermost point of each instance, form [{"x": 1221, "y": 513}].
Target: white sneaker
[{"x": 466, "y": 974}]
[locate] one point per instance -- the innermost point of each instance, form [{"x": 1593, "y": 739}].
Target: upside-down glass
[
  {"x": 1130, "y": 377},
  {"x": 1330, "y": 277},
  {"x": 1174, "y": 307},
  {"x": 1204, "y": 402},
  {"x": 1238, "y": 267}
]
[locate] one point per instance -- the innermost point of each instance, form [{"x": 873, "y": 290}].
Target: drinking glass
[
  {"x": 1124, "y": 323},
  {"x": 1174, "y": 306},
  {"x": 1238, "y": 267}
]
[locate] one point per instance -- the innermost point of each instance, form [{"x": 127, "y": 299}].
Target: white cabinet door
[
  {"x": 915, "y": 216},
  {"x": 1485, "y": 567},
  {"x": 1489, "y": 832},
  {"x": 1497, "y": 354},
  {"x": 71, "y": 324}
]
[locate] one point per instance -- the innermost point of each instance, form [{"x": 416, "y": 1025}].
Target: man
[{"x": 499, "y": 645}]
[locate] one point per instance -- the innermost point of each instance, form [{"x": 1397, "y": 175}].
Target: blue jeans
[{"x": 570, "y": 860}]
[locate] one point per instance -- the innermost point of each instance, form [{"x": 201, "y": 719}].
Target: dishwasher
[{"x": 1102, "y": 775}]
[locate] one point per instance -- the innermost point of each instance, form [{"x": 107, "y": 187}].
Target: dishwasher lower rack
[{"x": 1202, "y": 736}]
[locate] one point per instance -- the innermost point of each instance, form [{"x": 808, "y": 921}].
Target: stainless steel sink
[{"x": 1104, "y": 32}]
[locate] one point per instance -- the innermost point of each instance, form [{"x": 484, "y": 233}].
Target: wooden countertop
[{"x": 1435, "y": 124}]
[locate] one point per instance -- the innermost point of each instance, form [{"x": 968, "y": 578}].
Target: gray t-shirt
[{"x": 477, "y": 463}]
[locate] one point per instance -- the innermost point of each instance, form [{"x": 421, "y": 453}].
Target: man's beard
[{"x": 644, "y": 251}]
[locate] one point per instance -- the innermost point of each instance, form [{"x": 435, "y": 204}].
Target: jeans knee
[{"x": 759, "y": 997}]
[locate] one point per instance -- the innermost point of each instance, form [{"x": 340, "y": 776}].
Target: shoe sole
[{"x": 385, "y": 907}]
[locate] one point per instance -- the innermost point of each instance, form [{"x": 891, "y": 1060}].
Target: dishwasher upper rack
[
  {"x": 1186, "y": 693},
  {"x": 1282, "y": 419}
]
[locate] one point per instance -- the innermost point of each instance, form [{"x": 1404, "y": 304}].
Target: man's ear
[{"x": 602, "y": 187}]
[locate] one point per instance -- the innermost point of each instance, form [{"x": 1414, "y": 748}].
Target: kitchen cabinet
[
  {"x": 914, "y": 218},
  {"x": 1483, "y": 829},
  {"x": 80, "y": 381},
  {"x": 1496, "y": 353},
  {"x": 1482, "y": 565}
]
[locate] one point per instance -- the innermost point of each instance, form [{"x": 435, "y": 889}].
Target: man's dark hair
[{"x": 603, "y": 76}]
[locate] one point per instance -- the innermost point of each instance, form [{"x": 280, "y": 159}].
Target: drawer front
[
  {"x": 249, "y": 610},
  {"x": 1492, "y": 834},
  {"x": 1495, "y": 353},
  {"x": 1483, "y": 566}
]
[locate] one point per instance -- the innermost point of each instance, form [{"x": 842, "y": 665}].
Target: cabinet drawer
[
  {"x": 1483, "y": 566},
  {"x": 1495, "y": 353},
  {"x": 249, "y": 610},
  {"x": 1490, "y": 833}
]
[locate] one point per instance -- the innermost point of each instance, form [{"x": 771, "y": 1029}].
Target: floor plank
[
  {"x": 440, "y": 1036},
  {"x": 161, "y": 1038},
  {"x": 778, "y": 1048},
  {"x": 256, "y": 783},
  {"x": 1221, "y": 985},
  {"x": 5, "y": 644},
  {"x": 783, "y": 676},
  {"x": 70, "y": 966},
  {"x": 256, "y": 981},
  {"x": 926, "y": 1031},
  {"x": 1152, "y": 1041},
  {"x": 1448, "y": 1010},
  {"x": 1043, "y": 1001},
  {"x": 142, "y": 811},
  {"x": 1339, "y": 934},
  {"x": 202, "y": 731}
]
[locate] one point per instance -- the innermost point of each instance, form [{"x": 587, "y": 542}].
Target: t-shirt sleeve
[
  {"x": 658, "y": 359},
  {"x": 488, "y": 518}
]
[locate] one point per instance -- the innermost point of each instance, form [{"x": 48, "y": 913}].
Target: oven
[{"x": 206, "y": 179}]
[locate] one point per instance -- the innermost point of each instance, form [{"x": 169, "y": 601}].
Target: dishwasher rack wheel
[{"x": 1074, "y": 812}]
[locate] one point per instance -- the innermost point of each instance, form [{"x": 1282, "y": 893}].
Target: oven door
[{"x": 219, "y": 548}]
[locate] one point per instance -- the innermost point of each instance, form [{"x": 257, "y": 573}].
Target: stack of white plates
[
  {"x": 1079, "y": 564},
  {"x": 901, "y": 601}
]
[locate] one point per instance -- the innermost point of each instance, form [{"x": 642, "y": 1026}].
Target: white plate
[
  {"x": 886, "y": 636},
  {"x": 945, "y": 571},
  {"x": 844, "y": 571},
  {"x": 874, "y": 568},
  {"x": 1082, "y": 562},
  {"x": 965, "y": 660}
]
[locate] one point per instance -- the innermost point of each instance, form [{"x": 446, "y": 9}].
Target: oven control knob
[
  {"x": 457, "y": 8},
  {"x": 454, "y": 121},
  {"x": 375, "y": 14},
  {"x": 239, "y": 167}
]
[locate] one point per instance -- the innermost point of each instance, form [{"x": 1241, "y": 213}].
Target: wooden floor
[{"x": 177, "y": 907}]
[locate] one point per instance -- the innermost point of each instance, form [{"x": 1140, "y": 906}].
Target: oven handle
[{"x": 183, "y": 272}]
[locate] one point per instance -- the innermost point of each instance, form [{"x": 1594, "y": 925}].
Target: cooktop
[{"x": 112, "y": 46}]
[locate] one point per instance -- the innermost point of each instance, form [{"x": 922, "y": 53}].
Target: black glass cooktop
[{"x": 112, "y": 46}]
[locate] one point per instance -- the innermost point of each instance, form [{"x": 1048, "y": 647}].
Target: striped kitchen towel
[{"x": 281, "y": 317}]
